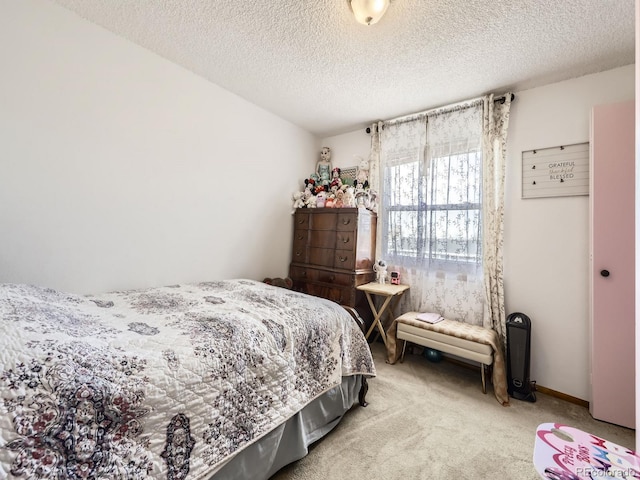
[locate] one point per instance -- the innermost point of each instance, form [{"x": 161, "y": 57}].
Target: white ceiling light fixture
[{"x": 369, "y": 12}]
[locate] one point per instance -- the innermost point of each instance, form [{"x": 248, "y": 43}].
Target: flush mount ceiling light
[{"x": 369, "y": 12}]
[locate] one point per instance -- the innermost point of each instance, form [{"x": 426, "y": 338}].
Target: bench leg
[
  {"x": 404, "y": 347},
  {"x": 484, "y": 384}
]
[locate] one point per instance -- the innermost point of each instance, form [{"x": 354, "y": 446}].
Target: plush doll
[
  {"x": 298, "y": 202},
  {"x": 323, "y": 166},
  {"x": 310, "y": 183},
  {"x": 321, "y": 198},
  {"x": 306, "y": 196},
  {"x": 349, "y": 197},
  {"x": 330, "y": 203},
  {"x": 336, "y": 181},
  {"x": 362, "y": 172},
  {"x": 339, "y": 203},
  {"x": 358, "y": 185},
  {"x": 361, "y": 198}
]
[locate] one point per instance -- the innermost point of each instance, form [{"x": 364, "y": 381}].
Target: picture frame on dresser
[{"x": 333, "y": 253}]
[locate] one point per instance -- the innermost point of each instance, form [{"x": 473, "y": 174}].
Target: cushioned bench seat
[
  {"x": 470, "y": 342},
  {"x": 461, "y": 347}
]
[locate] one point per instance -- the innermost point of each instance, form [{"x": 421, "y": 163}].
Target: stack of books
[{"x": 429, "y": 317}]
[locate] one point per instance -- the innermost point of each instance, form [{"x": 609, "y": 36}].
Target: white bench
[{"x": 459, "y": 339}]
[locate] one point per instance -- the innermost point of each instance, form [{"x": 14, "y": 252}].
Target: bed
[{"x": 215, "y": 380}]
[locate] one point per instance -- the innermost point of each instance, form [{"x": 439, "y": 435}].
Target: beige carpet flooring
[{"x": 431, "y": 421}]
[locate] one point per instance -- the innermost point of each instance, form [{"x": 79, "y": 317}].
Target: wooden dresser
[{"x": 333, "y": 253}]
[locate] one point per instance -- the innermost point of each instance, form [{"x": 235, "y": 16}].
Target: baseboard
[
  {"x": 562, "y": 396},
  {"x": 537, "y": 388}
]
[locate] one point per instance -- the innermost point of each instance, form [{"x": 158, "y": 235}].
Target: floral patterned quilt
[{"x": 160, "y": 383}]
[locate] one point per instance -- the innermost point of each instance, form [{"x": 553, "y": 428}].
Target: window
[
  {"x": 432, "y": 184},
  {"x": 434, "y": 213}
]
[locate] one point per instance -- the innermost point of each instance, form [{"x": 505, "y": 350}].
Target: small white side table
[{"x": 391, "y": 294}]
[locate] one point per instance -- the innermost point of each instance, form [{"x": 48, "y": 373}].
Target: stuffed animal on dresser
[
  {"x": 362, "y": 173},
  {"x": 298, "y": 201}
]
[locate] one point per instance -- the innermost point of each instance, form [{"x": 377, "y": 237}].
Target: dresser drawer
[
  {"x": 300, "y": 254},
  {"x": 322, "y": 276},
  {"x": 347, "y": 221},
  {"x": 323, "y": 221},
  {"x": 301, "y": 220},
  {"x": 302, "y": 274},
  {"x": 344, "y": 259},
  {"x": 300, "y": 241},
  {"x": 323, "y": 239},
  {"x": 322, "y": 256},
  {"x": 342, "y": 279},
  {"x": 345, "y": 240},
  {"x": 300, "y": 236}
]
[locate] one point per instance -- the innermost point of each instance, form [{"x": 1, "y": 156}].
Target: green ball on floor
[{"x": 432, "y": 355}]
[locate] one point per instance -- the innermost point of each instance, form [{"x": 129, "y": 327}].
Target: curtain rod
[
  {"x": 500, "y": 100},
  {"x": 503, "y": 99}
]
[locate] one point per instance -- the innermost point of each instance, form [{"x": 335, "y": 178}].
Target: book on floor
[{"x": 429, "y": 317}]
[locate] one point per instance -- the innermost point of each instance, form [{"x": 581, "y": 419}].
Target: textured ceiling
[{"x": 309, "y": 62}]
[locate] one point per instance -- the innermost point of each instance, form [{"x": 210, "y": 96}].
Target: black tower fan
[{"x": 518, "y": 357}]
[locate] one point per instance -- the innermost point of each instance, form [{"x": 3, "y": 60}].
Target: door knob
[{"x": 604, "y": 273}]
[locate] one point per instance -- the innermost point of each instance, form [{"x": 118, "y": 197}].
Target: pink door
[{"x": 612, "y": 199}]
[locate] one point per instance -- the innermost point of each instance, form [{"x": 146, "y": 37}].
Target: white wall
[
  {"x": 119, "y": 169},
  {"x": 546, "y": 242},
  {"x": 547, "y": 239}
]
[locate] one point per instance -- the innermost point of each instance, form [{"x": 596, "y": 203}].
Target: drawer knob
[
  {"x": 346, "y": 221},
  {"x": 298, "y": 254},
  {"x": 345, "y": 239},
  {"x": 343, "y": 259},
  {"x": 300, "y": 237}
]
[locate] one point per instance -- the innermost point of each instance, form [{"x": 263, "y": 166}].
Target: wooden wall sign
[{"x": 556, "y": 171}]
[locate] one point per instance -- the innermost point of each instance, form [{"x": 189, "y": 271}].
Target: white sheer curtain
[
  {"x": 374, "y": 159},
  {"x": 430, "y": 216},
  {"x": 441, "y": 218}
]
